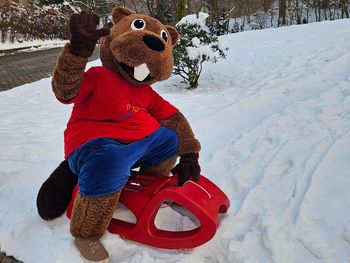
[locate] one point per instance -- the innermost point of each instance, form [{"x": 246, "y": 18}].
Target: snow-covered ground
[
  {"x": 274, "y": 123},
  {"x": 31, "y": 45}
]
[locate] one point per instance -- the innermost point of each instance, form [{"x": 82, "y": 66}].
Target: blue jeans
[{"x": 103, "y": 164}]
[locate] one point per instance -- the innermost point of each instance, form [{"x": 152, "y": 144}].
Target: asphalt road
[{"x": 25, "y": 67}]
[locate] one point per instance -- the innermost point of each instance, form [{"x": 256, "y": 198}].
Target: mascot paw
[{"x": 56, "y": 192}]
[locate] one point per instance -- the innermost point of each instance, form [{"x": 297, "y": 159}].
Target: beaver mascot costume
[{"x": 118, "y": 122}]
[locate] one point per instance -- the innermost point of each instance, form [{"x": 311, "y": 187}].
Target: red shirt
[{"x": 109, "y": 106}]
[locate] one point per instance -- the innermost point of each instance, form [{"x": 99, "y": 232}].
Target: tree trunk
[
  {"x": 297, "y": 12},
  {"x": 135, "y": 6},
  {"x": 214, "y": 8},
  {"x": 150, "y": 7},
  {"x": 272, "y": 17},
  {"x": 282, "y": 13},
  {"x": 319, "y": 10},
  {"x": 182, "y": 9},
  {"x": 344, "y": 8},
  {"x": 315, "y": 9}
]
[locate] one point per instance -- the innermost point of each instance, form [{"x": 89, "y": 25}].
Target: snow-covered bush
[
  {"x": 21, "y": 22},
  {"x": 219, "y": 25},
  {"x": 196, "y": 46}
]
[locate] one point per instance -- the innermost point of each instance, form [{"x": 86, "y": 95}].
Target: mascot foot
[
  {"x": 56, "y": 192},
  {"x": 90, "y": 220},
  {"x": 91, "y": 250}
]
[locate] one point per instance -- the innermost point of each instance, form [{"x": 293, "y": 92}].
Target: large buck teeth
[{"x": 141, "y": 72}]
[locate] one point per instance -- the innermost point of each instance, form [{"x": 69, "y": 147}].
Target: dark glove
[
  {"x": 84, "y": 35},
  {"x": 187, "y": 168}
]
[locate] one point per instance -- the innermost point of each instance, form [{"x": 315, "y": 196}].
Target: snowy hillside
[{"x": 274, "y": 123}]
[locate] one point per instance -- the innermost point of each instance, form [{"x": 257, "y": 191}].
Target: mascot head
[{"x": 139, "y": 47}]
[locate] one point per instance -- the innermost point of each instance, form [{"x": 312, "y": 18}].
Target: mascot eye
[
  {"x": 164, "y": 35},
  {"x": 138, "y": 24}
]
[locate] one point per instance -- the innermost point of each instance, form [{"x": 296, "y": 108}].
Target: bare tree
[
  {"x": 343, "y": 5},
  {"x": 150, "y": 7},
  {"x": 182, "y": 9},
  {"x": 282, "y": 13},
  {"x": 134, "y": 3}
]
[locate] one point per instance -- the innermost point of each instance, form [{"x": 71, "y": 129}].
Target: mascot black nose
[{"x": 153, "y": 43}]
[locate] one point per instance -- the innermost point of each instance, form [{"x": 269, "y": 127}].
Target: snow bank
[
  {"x": 274, "y": 122},
  {"x": 32, "y": 45}
]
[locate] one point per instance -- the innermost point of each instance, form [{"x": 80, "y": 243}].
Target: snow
[
  {"x": 274, "y": 123},
  {"x": 197, "y": 52},
  {"x": 32, "y": 45},
  {"x": 194, "y": 19},
  {"x": 201, "y": 48},
  {"x": 195, "y": 41}
]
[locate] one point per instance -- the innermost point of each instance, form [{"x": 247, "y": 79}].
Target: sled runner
[{"x": 144, "y": 194}]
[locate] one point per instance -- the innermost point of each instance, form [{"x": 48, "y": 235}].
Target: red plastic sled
[{"x": 144, "y": 194}]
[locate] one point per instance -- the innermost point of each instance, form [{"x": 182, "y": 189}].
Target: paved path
[{"x": 25, "y": 67}]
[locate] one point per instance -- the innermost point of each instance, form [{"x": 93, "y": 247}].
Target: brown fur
[
  {"x": 125, "y": 45},
  {"x": 122, "y": 45},
  {"x": 163, "y": 168},
  {"x": 68, "y": 74},
  {"x": 120, "y": 12},
  {"x": 92, "y": 215},
  {"x": 187, "y": 142}
]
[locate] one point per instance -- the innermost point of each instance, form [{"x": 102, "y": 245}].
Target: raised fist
[{"x": 84, "y": 33}]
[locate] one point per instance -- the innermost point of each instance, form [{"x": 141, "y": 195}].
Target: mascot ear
[
  {"x": 173, "y": 34},
  {"x": 119, "y": 12}
]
